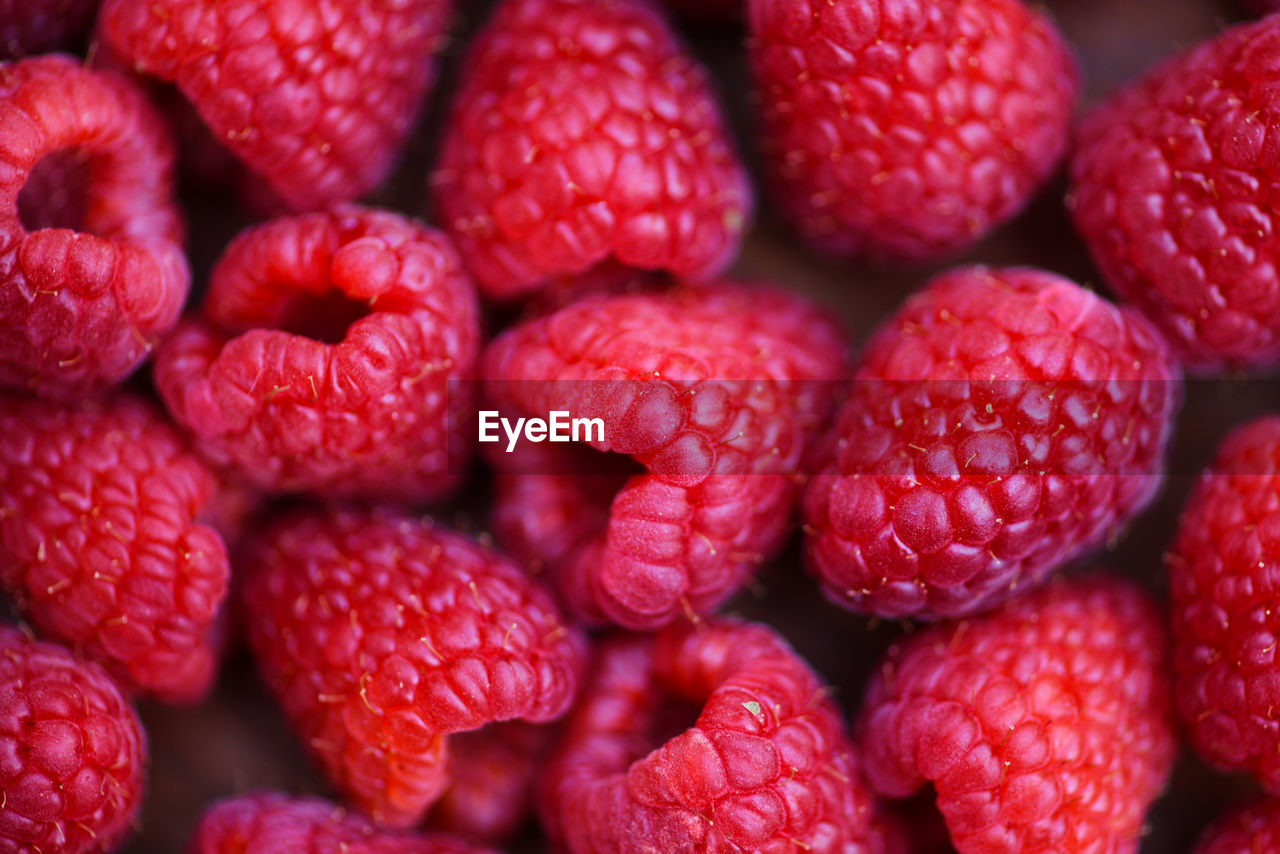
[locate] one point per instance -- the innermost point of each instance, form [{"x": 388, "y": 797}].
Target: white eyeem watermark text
[{"x": 556, "y": 427}]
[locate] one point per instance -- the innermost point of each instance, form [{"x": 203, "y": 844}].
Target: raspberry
[
  {"x": 1251, "y": 828},
  {"x": 315, "y": 99},
  {"x": 1222, "y": 593},
  {"x": 1170, "y": 188},
  {"x": 273, "y": 822},
  {"x": 584, "y": 131},
  {"x": 907, "y": 131},
  {"x": 99, "y": 541},
  {"x": 91, "y": 265},
  {"x": 262, "y": 390},
  {"x": 1000, "y": 424},
  {"x": 381, "y": 635},
  {"x": 29, "y": 27},
  {"x": 716, "y": 392},
  {"x": 766, "y": 767},
  {"x": 74, "y": 752},
  {"x": 1043, "y": 727}
]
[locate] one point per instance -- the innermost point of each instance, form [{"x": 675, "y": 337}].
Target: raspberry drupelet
[
  {"x": 1002, "y": 423},
  {"x": 271, "y": 383},
  {"x": 381, "y": 635},
  {"x": 1251, "y": 828},
  {"x": 92, "y": 270}
]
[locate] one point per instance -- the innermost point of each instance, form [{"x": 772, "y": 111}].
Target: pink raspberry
[
  {"x": 1042, "y": 727},
  {"x": 1251, "y": 828},
  {"x": 381, "y": 634},
  {"x": 74, "y": 754},
  {"x": 28, "y": 27},
  {"x": 1002, "y": 423},
  {"x": 91, "y": 264},
  {"x": 907, "y": 131},
  {"x": 715, "y": 393},
  {"x": 315, "y": 99},
  {"x": 100, "y": 543},
  {"x": 765, "y": 767},
  {"x": 585, "y": 131},
  {"x": 328, "y": 358},
  {"x": 273, "y": 823},
  {"x": 1171, "y": 189},
  {"x": 1222, "y": 591}
]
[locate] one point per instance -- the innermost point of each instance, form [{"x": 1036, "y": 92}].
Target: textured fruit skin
[
  {"x": 717, "y": 392},
  {"x": 583, "y": 130},
  {"x": 271, "y": 821},
  {"x": 1003, "y": 422},
  {"x": 381, "y": 634},
  {"x": 74, "y": 752},
  {"x": 907, "y": 131},
  {"x": 28, "y": 27},
  {"x": 100, "y": 544},
  {"x": 369, "y": 415},
  {"x": 1171, "y": 188},
  {"x": 84, "y": 298},
  {"x": 1043, "y": 727},
  {"x": 1250, "y": 828},
  {"x": 316, "y": 99},
  {"x": 766, "y": 767},
  {"x": 1222, "y": 595}
]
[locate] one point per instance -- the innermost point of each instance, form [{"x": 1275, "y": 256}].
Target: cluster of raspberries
[{"x": 267, "y": 479}]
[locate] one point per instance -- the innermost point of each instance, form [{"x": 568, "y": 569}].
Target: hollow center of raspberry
[
  {"x": 323, "y": 318},
  {"x": 55, "y": 194},
  {"x": 674, "y": 716}
]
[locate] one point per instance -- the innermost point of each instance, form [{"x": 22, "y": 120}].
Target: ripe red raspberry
[
  {"x": 315, "y": 99},
  {"x": 1222, "y": 591},
  {"x": 382, "y": 634},
  {"x": 907, "y": 131},
  {"x": 28, "y": 27},
  {"x": 91, "y": 264},
  {"x": 1000, "y": 424},
  {"x": 73, "y": 752},
  {"x": 1043, "y": 727},
  {"x": 1170, "y": 188},
  {"x": 273, "y": 822},
  {"x": 584, "y": 131},
  {"x": 766, "y": 766},
  {"x": 274, "y": 383},
  {"x": 1251, "y": 828},
  {"x": 716, "y": 392},
  {"x": 99, "y": 542}
]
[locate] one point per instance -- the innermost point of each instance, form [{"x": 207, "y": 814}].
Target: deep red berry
[
  {"x": 1043, "y": 727},
  {"x": 381, "y": 634},
  {"x": 315, "y": 99},
  {"x": 29, "y": 27},
  {"x": 326, "y": 357},
  {"x": 907, "y": 131},
  {"x": 766, "y": 766},
  {"x": 1222, "y": 590},
  {"x": 100, "y": 544},
  {"x": 74, "y": 754},
  {"x": 273, "y": 822},
  {"x": 716, "y": 393},
  {"x": 584, "y": 131},
  {"x": 1171, "y": 188},
  {"x": 91, "y": 264},
  {"x": 1000, "y": 424},
  {"x": 1251, "y": 828}
]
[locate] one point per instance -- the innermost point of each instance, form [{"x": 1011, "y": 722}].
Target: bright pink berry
[
  {"x": 73, "y": 752},
  {"x": 315, "y": 99},
  {"x": 766, "y": 766},
  {"x": 1251, "y": 828},
  {"x": 1171, "y": 189},
  {"x": 28, "y": 27},
  {"x": 381, "y": 634},
  {"x": 714, "y": 393},
  {"x": 91, "y": 264},
  {"x": 1223, "y": 589},
  {"x": 584, "y": 131},
  {"x": 328, "y": 355},
  {"x": 1043, "y": 727},
  {"x": 273, "y": 823},
  {"x": 906, "y": 131},
  {"x": 1000, "y": 424},
  {"x": 100, "y": 543}
]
